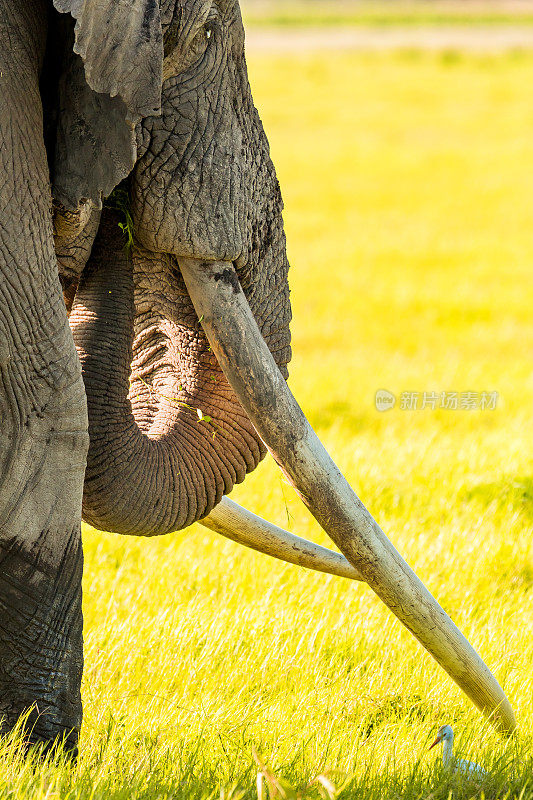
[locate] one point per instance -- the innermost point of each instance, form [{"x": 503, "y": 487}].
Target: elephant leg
[{"x": 43, "y": 424}]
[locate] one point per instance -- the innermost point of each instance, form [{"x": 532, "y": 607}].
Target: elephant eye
[
  {"x": 201, "y": 40},
  {"x": 181, "y": 57}
]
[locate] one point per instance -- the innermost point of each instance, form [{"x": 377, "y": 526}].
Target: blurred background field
[
  {"x": 386, "y": 12},
  {"x": 407, "y": 179}
]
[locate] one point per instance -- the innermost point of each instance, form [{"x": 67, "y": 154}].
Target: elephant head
[
  {"x": 203, "y": 186},
  {"x": 183, "y": 331}
]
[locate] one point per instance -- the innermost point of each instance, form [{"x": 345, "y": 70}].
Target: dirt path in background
[{"x": 479, "y": 38}]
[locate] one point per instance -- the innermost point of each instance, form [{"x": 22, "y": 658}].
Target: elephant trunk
[{"x": 168, "y": 437}]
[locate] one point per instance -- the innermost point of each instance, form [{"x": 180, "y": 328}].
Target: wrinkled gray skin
[{"x": 182, "y": 134}]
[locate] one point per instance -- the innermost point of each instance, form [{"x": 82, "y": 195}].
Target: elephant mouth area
[
  {"x": 175, "y": 377},
  {"x": 170, "y": 374}
]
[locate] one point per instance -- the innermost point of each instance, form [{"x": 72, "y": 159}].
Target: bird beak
[{"x": 437, "y": 740}]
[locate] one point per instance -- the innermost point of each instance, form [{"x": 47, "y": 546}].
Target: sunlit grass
[{"x": 407, "y": 181}]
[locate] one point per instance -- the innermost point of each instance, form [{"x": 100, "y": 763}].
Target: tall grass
[{"x": 407, "y": 181}]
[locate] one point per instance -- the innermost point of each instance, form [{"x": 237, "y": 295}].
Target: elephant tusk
[
  {"x": 240, "y": 525},
  {"x": 242, "y": 353}
]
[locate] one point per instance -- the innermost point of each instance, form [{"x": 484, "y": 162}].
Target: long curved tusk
[
  {"x": 240, "y": 525},
  {"x": 250, "y": 369}
]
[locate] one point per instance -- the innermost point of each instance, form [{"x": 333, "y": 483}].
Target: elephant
[{"x": 144, "y": 332}]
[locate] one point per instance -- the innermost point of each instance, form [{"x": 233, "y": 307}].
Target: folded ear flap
[
  {"x": 121, "y": 44},
  {"x": 95, "y": 145}
]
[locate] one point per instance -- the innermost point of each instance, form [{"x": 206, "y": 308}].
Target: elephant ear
[
  {"x": 110, "y": 79},
  {"x": 121, "y": 44}
]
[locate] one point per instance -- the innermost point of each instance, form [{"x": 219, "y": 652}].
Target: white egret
[{"x": 468, "y": 768}]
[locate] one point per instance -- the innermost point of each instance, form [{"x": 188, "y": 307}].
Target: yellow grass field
[{"x": 408, "y": 184}]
